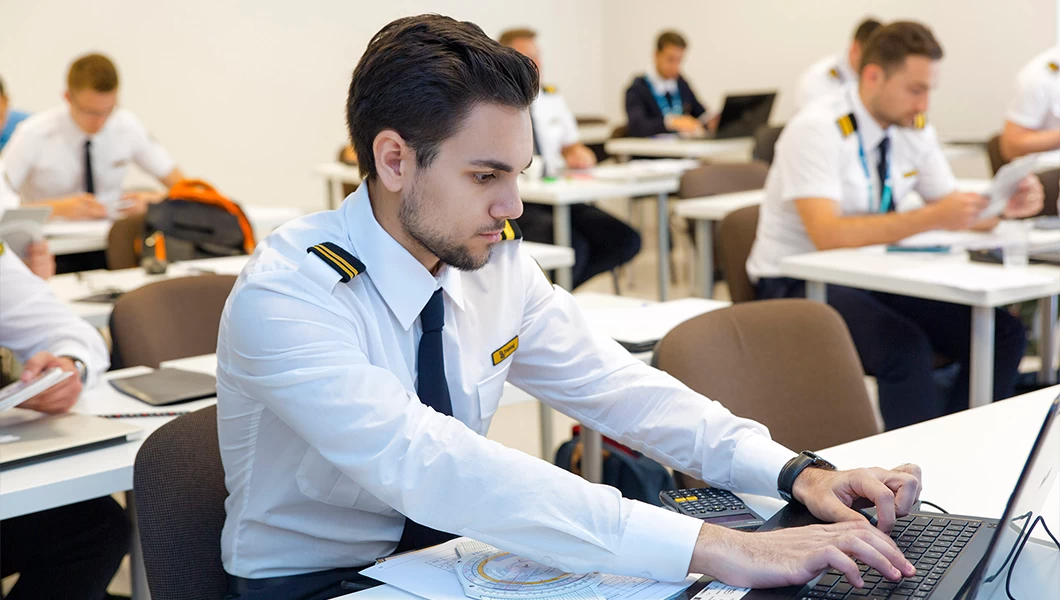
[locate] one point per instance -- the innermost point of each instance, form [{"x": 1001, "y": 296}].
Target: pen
[{"x": 175, "y": 413}]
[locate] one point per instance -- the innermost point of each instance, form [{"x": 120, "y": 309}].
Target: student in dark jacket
[{"x": 661, "y": 101}]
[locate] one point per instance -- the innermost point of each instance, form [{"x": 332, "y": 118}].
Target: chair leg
[{"x": 615, "y": 274}]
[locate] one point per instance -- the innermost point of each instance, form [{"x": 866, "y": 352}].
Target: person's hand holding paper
[{"x": 1015, "y": 192}]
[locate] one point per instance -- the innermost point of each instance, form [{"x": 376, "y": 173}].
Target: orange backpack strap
[{"x": 197, "y": 190}]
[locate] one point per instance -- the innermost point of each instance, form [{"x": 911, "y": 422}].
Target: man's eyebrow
[{"x": 493, "y": 164}]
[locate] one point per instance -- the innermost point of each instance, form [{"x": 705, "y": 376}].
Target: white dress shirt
[
  {"x": 814, "y": 159},
  {"x": 555, "y": 128},
  {"x": 1037, "y": 101},
  {"x": 326, "y": 445},
  {"x": 33, "y": 320},
  {"x": 823, "y": 78},
  {"x": 45, "y": 158}
]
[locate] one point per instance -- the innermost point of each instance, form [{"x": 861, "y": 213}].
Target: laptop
[
  {"x": 956, "y": 556},
  {"x": 743, "y": 114},
  {"x": 27, "y": 436}
]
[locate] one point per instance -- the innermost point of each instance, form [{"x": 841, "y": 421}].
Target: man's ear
[{"x": 393, "y": 159}]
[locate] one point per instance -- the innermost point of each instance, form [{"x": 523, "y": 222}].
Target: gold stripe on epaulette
[
  {"x": 919, "y": 121},
  {"x": 337, "y": 260},
  {"x": 846, "y": 125}
]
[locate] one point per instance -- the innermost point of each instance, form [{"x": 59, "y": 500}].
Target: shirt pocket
[
  {"x": 490, "y": 390},
  {"x": 320, "y": 480}
]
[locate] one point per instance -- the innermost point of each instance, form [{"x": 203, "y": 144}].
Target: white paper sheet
[
  {"x": 647, "y": 323},
  {"x": 717, "y": 590}
]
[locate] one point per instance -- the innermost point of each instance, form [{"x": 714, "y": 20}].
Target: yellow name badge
[
  {"x": 910, "y": 173},
  {"x": 505, "y": 351}
]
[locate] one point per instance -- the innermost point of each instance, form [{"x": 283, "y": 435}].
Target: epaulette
[
  {"x": 847, "y": 124},
  {"x": 548, "y": 89},
  {"x": 511, "y": 231},
  {"x": 1, "y": 248},
  {"x": 834, "y": 72},
  {"x": 1053, "y": 66},
  {"x": 920, "y": 121},
  {"x": 343, "y": 262}
]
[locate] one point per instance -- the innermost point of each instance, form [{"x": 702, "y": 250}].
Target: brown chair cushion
[
  {"x": 179, "y": 485},
  {"x": 723, "y": 178},
  {"x": 993, "y": 152},
  {"x": 169, "y": 319},
  {"x": 123, "y": 241},
  {"x": 765, "y": 142},
  {"x": 1051, "y": 184},
  {"x": 789, "y": 364},
  {"x": 736, "y": 236}
]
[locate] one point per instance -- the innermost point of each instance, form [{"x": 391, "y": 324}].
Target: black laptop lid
[{"x": 742, "y": 114}]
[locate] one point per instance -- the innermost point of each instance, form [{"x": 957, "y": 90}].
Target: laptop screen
[{"x": 1025, "y": 505}]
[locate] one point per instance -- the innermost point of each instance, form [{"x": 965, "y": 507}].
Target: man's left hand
[
  {"x": 40, "y": 260},
  {"x": 134, "y": 203},
  {"x": 830, "y": 494},
  {"x": 1027, "y": 201}
]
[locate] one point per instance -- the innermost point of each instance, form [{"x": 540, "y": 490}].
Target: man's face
[
  {"x": 91, "y": 109},
  {"x": 898, "y": 98},
  {"x": 3, "y": 110},
  {"x": 668, "y": 61},
  {"x": 456, "y": 207},
  {"x": 528, "y": 48}
]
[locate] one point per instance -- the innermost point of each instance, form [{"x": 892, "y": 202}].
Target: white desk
[
  {"x": 982, "y": 287},
  {"x": 971, "y": 461},
  {"x": 594, "y": 133},
  {"x": 560, "y": 195},
  {"x": 704, "y": 212},
  {"x": 72, "y": 237},
  {"x": 671, "y": 147}
]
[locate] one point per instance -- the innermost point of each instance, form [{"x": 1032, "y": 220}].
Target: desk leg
[
  {"x": 334, "y": 193},
  {"x": 561, "y": 235},
  {"x": 1047, "y": 312},
  {"x": 705, "y": 241},
  {"x": 981, "y": 384},
  {"x": 664, "y": 247},
  {"x": 593, "y": 458},
  {"x": 137, "y": 573},
  {"x": 816, "y": 290}
]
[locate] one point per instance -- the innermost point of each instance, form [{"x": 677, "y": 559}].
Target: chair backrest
[
  {"x": 722, "y": 178},
  {"x": 993, "y": 151},
  {"x": 789, "y": 364},
  {"x": 765, "y": 141},
  {"x": 172, "y": 318},
  {"x": 736, "y": 236},
  {"x": 620, "y": 132},
  {"x": 123, "y": 242},
  {"x": 179, "y": 485},
  {"x": 590, "y": 120}
]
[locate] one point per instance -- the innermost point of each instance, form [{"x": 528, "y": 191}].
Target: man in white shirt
[
  {"x": 74, "y": 157},
  {"x": 600, "y": 241},
  {"x": 72, "y": 551},
  {"x": 834, "y": 71},
  {"x": 1032, "y": 122},
  {"x": 841, "y": 178},
  {"x": 364, "y": 351}
]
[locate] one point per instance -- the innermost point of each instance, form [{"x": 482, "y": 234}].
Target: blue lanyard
[
  {"x": 885, "y": 194},
  {"x": 665, "y": 106}
]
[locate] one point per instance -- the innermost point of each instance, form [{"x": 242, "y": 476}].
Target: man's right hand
[
  {"x": 80, "y": 206},
  {"x": 685, "y": 124},
  {"x": 959, "y": 210},
  {"x": 58, "y": 398},
  {"x": 797, "y": 555}
]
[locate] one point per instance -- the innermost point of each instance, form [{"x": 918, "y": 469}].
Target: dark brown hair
[
  {"x": 510, "y": 35},
  {"x": 92, "y": 71},
  {"x": 422, "y": 75},
  {"x": 865, "y": 29},
  {"x": 890, "y": 45},
  {"x": 670, "y": 38}
]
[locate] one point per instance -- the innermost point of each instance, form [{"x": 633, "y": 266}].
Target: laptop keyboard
[{"x": 932, "y": 544}]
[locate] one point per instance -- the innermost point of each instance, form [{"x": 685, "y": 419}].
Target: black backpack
[
  {"x": 196, "y": 221},
  {"x": 635, "y": 475}
]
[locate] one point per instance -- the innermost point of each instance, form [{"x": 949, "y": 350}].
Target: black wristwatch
[{"x": 794, "y": 467}]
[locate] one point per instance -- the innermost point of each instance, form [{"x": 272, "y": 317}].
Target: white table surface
[
  {"x": 70, "y": 237},
  {"x": 595, "y": 133},
  {"x": 971, "y": 461},
  {"x": 679, "y": 148}
]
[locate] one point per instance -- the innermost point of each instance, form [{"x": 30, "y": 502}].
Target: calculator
[{"x": 713, "y": 505}]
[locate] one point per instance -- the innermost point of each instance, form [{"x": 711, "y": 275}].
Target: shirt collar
[
  {"x": 842, "y": 64},
  {"x": 73, "y": 132},
  {"x": 403, "y": 282},
  {"x": 870, "y": 131},
  {"x": 659, "y": 84}
]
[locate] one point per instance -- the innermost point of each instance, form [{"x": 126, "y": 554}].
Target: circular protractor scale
[{"x": 496, "y": 574}]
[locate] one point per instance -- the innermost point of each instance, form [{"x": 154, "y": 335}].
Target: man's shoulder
[
  {"x": 41, "y": 125},
  {"x": 284, "y": 251},
  {"x": 830, "y": 113},
  {"x": 639, "y": 84}
]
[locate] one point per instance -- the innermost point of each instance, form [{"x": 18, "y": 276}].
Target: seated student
[
  {"x": 601, "y": 242},
  {"x": 661, "y": 101},
  {"x": 8, "y": 118},
  {"x": 1032, "y": 122},
  {"x": 843, "y": 169},
  {"x": 832, "y": 72},
  {"x": 71, "y": 551},
  {"x": 356, "y": 381},
  {"x": 73, "y": 158}
]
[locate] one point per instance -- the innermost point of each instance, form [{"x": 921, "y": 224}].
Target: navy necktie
[
  {"x": 881, "y": 170},
  {"x": 670, "y": 101},
  {"x": 433, "y": 391},
  {"x": 90, "y": 185}
]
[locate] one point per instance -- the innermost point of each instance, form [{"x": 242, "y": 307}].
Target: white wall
[
  {"x": 250, "y": 94},
  {"x": 765, "y": 44}
]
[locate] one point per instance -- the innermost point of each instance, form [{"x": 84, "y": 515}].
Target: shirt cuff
[
  {"x": 756, "y": 465},
  {"x": 657, "y": 543}
]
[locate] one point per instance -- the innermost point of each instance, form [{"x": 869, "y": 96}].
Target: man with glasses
[{"x": 74, "y": 159}]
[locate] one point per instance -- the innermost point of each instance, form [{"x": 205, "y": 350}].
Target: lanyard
[{"x": 665, "y": 106}]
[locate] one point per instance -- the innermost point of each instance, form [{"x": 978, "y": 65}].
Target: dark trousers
[
  {"x": 897, "y": 338},
  {"x": 70, "y": 552},
  {"x": 321, "y": 585},
  {"x": 82, "y": 261},
  {"x": 600, "y": 241}
]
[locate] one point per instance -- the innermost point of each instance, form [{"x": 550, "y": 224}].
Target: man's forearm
[
  {"x": 868, "y": 230},
  {"x": 1018, "y": 141}
]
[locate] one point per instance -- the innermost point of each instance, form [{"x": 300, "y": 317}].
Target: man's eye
[{"x": 484, "y": 177}]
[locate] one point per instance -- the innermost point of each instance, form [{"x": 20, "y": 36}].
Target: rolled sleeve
[{"x": 1031, "y": 104}]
